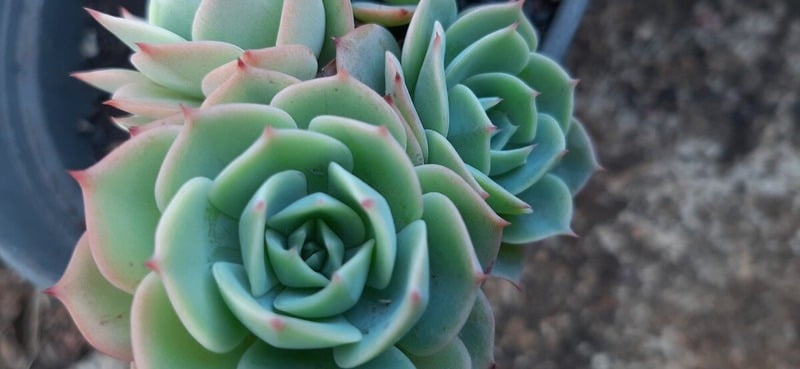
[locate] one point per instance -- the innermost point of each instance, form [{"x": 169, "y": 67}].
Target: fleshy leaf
[
  {"x": 276, "y": 329},
  {"x": 189, "y": 233},
  {"x": 499, "y": 199},
  {"x": 295, "y": 60},
  {"x": 343, "y": 220},
  {"x": 274, "y": 195},
  {"x": 263, "y": 356},
  {"x": 150, "y": 100},
  {"x": 362, "y": 53},
  {"x": 250, "y": 85},
  {"x": 478, "y": 333},
  {"x": 385, "y": 15},
  {"x": 443, "y": 153},
  {"x": 174, "y": 15},
  {"x": 101, "y": 311},
  {"x": 454, "y": 277},
  {"x": 210, "y": 139},
  {"x": 386, "y": 315},
  {"x": 548, "y": 148},
  {"x": 302, "y": 23},
  {"x": 555, "y": 85},
  {"x": 338, "y": 22},
  {"x": 160, "y": 339},
  {"x": 287, "y": 263},
  {"x": 453, "y": 355},
  {"x": 375, "y": 210},
  {"x": 577, "y": 166},
  {"x": 122, "y": 183},
  {"x": 110, "y": 79},
  {"x": 430, "y": 91},
  {"x": 483, "y": 224},
  {"x": 132, "y": 31},
  {"x": 182, "y": 66},
  {"x": 501, "y": 51},
  {"x": 470, "y": 129},
  {"x": 510, "y": 263},
  {"x": 402, "y": 102},
  {"x": 551, "y": 201},
  {"x": 418, "y": 36},
  {"x": 473, "y": 24},
  {"x": 339, "y": 295},
  {"x": 275, "y": 151},
  {"x": 380, "y": 162},
  {"x": 250, "y": 24},
  {"x": 340, "y": 95},
  {"x": 517, "y": 104}
]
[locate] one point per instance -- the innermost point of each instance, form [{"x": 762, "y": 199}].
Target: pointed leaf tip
[
  {"x": 51, "y": 291},
  {"x": 152, "y": 264}
]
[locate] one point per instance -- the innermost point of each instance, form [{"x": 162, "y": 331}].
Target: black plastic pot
[{"x": 41, "y": 212}]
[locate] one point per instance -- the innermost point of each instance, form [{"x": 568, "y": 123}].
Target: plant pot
[{"x": 41, "y": 213}]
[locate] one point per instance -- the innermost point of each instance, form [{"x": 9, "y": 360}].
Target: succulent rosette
[
  {"x": 254, "y": 47},
  {"x": 298, "y": 234},
  {"x": 492, "y": 109}
]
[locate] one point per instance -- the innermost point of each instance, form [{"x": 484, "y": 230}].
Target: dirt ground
[{"x": 689, "y": 255}]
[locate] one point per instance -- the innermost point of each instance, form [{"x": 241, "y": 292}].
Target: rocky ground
[{"x": 689, "y": 255}]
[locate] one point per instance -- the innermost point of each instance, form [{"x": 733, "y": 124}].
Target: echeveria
[
  {"x": 273, "y": 43},
  {"x": 293, "y": 235},
  {"x": 477, "y": 87}
]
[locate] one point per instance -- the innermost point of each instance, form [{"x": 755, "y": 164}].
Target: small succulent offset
[{"x": 291, "y": 201}]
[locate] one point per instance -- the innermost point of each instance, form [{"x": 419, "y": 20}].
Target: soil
[{"x": 689, "y": 255}]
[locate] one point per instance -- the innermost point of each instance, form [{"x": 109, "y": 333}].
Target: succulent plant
[
  {"x": 475, "y": 85},
  {"x": 273, "y": 43},
  {"x": 298, "y": 234}
]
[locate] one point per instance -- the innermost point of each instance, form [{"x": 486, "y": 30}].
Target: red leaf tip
[
  {"x": 367, "y": 203},
  {"x": 416, "y": 297},
  {"x": 277, "y": 324},
  {"x": 51, "y": 291},
  {"x": 152, "y": 264}
]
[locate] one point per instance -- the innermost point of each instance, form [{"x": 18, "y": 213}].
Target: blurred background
[{"x": 689, "y": 255}]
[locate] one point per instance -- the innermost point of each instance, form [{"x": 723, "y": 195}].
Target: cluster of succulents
[{"x": 300, "y": 192}]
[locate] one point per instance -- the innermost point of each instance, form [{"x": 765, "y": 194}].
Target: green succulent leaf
[
  {"x": 295, "y": 60},
  {"x": 430, "y": 92},
  {"x": 182, "y": 66},
  {"x": 160, "y": 339},
  {"x": 498, "y": 198},
  {"x": 478, "y": 333},
  {"x": 340, "y": 95},
  {"x": 150, "y": 100},
  {"x": 510, "y": 263},
  {"x": 263, "y": 356},
  {"x": 418, "y": 36},
  {"x": 398, "y": 94},
  {"x": 362, "y": 53},
  {"x": 274, "y": 328},
  {"x": 385, "y": 315},
  {"x": 453, "y": 355},
  {"x": 443, "y": 153},
  {"x": 277, "y": 192},
  {"x": 101, "y": 311},
  {"x": 132, "y": 31},
  {"x": 250, "y": 85},
  {"x": 110, "y": 79},
  {"x": 302, "y": 23},
  {"x": 174, "y": 15},
  {"x": 189, "y": 234},
  {"x": 551, "y": 201},
  {"x": 123, "y": 184},
  {"x": 379, "y": 161},
  {"x": 548, "y": 148},
  {"x": 274, "y": 152},
  {"x": 470, "y": 128},
  {"x": 342, "y": 220},
  {"x": 483, "y": 224},
  {"x": 555, "y": 85},
  {"x": 207, "y": 143},
  {"x": 474, "y": 24},
  {"x": 454, "y": 276},
  {"x": 338, "y": 22},
  {"x": 577, "y": 166},
  {"x": 502, "y": 51},
  {"x": 385, "y": 15},
  {"x": 217, "y": 20}
]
